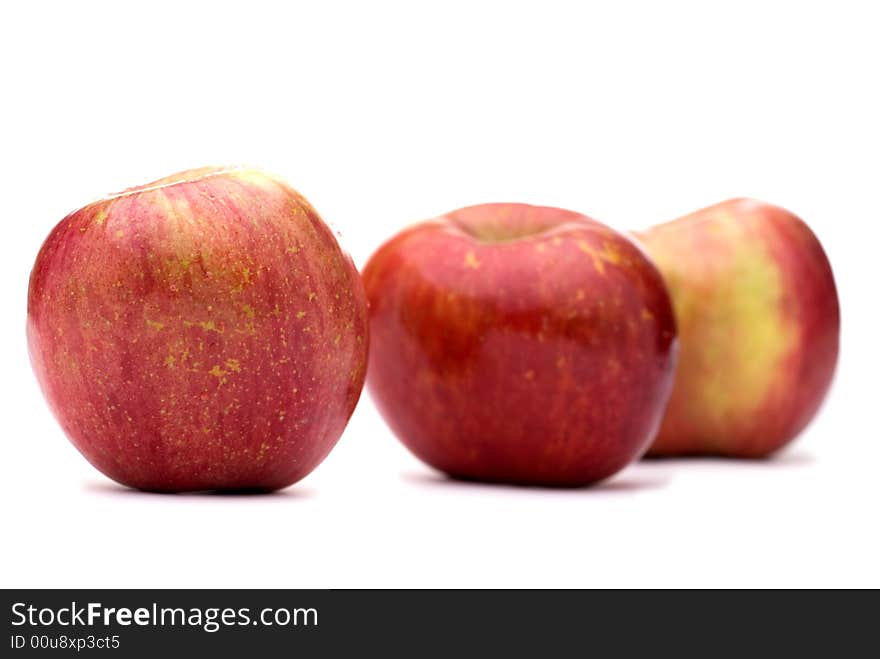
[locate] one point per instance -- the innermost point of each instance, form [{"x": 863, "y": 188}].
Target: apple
[
  {"x": 202, "y": 332},
  {"x": 520, "y": 344},
  {"x": 759, "y": 325}
]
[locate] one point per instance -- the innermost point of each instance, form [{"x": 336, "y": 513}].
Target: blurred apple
[
  {"x": 204, "y": 331},
  {"x": 520, "y": 344},
  {"x": 758, "y": 321}
]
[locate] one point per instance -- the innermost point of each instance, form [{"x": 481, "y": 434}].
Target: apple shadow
[
  {"x": 624, "y": 482},
  {"x": 795, "y": 458},
  {"x": 790, "y": 458},
  {"x": 115, "y": 489}
]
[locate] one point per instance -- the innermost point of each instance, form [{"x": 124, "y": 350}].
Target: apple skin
[
  {"x": 203, "y": 332},
  {"x": 519, "y": 344},
  {"x": 759, "y": 325}
]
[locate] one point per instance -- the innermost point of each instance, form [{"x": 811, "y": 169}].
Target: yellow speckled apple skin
[
  {"x": 202, "y": 332},
  {"x": 759, "y": 324}
]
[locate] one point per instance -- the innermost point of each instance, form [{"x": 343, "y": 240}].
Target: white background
[{"x": 383, "y": 114}]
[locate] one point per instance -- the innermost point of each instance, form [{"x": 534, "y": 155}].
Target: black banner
[{"x": 265, "y": 623}]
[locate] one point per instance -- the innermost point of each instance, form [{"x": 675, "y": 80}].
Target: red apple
[
  {"x": 204, "y": 331},
  {"x": 520, "y": 344},
  {"x": 759, "y": 324}
]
